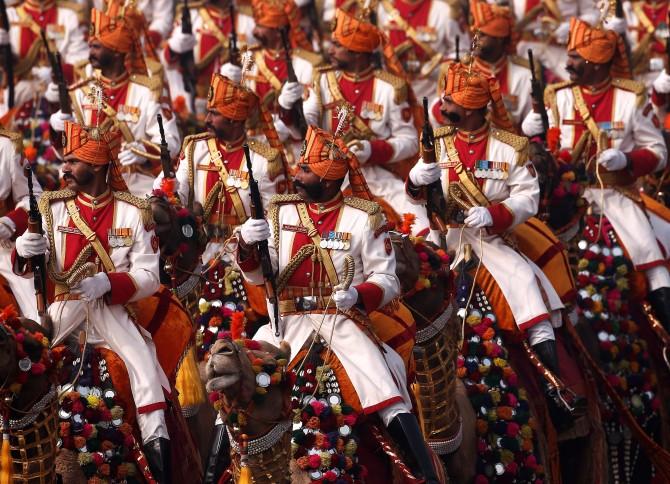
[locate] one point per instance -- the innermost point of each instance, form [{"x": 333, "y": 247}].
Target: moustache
[{"x": 453, "y": 117}]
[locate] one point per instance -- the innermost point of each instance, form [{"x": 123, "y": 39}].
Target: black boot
[
  {"x": 560, "y": 414},
  {"x": 404, "y": 428},
  {"x": 219, "y": 455},
  {"x": 158, "y": 456},
  {"x": 660, "y": 303}
]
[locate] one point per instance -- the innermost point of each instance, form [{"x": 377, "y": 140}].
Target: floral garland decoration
[{"x": 92, "y": 424}]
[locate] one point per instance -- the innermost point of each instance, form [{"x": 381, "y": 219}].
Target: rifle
[
  {"x": 38, "y": 262},
  {"x": 262, "y": 246},
  {"x": 7, "y": 55},
  {"x": 186, "y": 60},
  {"x": 458, "y": 48},
  {"x": 537, "y": 93},
  {"x": 234, "y": 51},
  {"x": 313, "y": 18},
  {"x": 166, "y": 161},
  {"x": 436, "y": 205},
  {"x": 298, "y": 113},
  {"x": 57, "y": 70},
  {"x": 618, "y": 13}
]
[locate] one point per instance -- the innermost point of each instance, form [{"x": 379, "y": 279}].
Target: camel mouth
[{"x": 223, "y": 382}]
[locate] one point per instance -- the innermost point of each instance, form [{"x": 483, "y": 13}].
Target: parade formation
[{"x": 339, "y": 241}]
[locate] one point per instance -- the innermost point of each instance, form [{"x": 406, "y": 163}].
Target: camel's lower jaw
[{"x": 223, "y": 382}]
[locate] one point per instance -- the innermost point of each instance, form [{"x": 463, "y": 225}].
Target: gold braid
[
  {"x": 211, "y": 199},
  {"x": 302, "y": 254}
]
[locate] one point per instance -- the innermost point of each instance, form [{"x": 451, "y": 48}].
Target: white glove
[
  {"x": 532, "y": 124},
  {"x": 283, "y": 131},
  {"x": 662, "y": 83},
  {"x": 30, "y": 244},
  {"x": 362, "y": 149},
  {"x": 290, "y": 93},
  {"x": 7, "y": 228},
  {"x": 127, "y": 157},
  {"x": 232, "y": 72},
  {"x": 92, "y": 288},
  {"x": 180, "y": 42},
  {"x": 4, "y": 37},
  {"x": 617, "y": 24},
  {"x": 51, "y": 94},
  {"x": 42, "y": 74},
  {"x": 57, "y": 120},
  {"x": 424, "y": 173},
  {"x": 562, "y": 32},
  {"x": 479, "y": 217},
  {"x": 254, "y": 231},
  {"x": 345, "y": 299},
  {"x": 612, "y": 160}
]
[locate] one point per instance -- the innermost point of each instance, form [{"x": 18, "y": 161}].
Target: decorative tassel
[
  {"x": 189, "y": 385},
  {"x": 245, "y": 471},
  {"x": 5, "y": 459}
]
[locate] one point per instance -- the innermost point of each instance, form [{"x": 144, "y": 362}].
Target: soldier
[
  {"x": 158, "y": 14},
  {"x": 423, "y": 34},
  {"x": 648, "y": 32},
  {"x": 380, "y": 131},
  {"x": 210, "y": 43},
  {"x": 103, "y": 254},
  {"x": 119, "y": 93},
  {"x": 606, "y": 122},
  {"x": 315, "y": 219},
  {"x": 14, "y": 205},
  {"x": 485, "y": 172}
]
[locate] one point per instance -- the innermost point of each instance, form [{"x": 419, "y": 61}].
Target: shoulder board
[
  {"x": 154, "y": 83},
  {"x": 550, "y": 90},
  {"x": 284, "y": 198},
  {"x": 272, "y": 155},
  {"x": 245, "y": 9},
  {"x": 47, "y": 198},
  {"x": 80, "y": 83},
  {"x": 15, "y": 137},
  {"x": 74, "y": 6},
  {"x": 311, "y": 57},
  {"x": 324, "y": 68},
  {"x": 399, "y": 84},
  {"x": 519, "y": 143},
  {"x": 443, "y": 131},
  {"x": 141, "y": 203},
  {"x": 374, "y": 211},
  {"x": 633, "y": 86},
  {"x": 523, "y": 62},
  {"x": 192, "y": 138}
]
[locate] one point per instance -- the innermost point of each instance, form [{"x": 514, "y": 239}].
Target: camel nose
[{"x": 226, "y": 348}]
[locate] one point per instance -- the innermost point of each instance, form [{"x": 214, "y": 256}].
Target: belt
[
  {"x": 63, "y": 293},
  {"x": 304, "y": 304},
  {"x": 292, "y": 292},
  {"x": 619, "y": 178}
]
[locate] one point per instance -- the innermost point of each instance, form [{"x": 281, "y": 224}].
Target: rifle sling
[
  {"x": 266, "y": 72},
  {"x": 313, "y": 234}
]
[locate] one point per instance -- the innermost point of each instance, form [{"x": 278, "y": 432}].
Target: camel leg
[{"x": 461, "y": 465}]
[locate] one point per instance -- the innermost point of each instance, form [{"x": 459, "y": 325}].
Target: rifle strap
[
  {"x": 591, "y": 125},
  {"x": 313, "y": 234},
  {"x": 266, "y": 72},
  {"x": 215, "y": 157},
  {"x": 90, "y": 235},
  {"x": 337, "y": 95}
]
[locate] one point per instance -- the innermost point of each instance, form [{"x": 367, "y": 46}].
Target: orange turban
[
  {"x": 278, "y": 14},
  {"x": 599, "y": 46},
  {"x": 471, "y": 90},
  {"x": 493, "y": 20},
  {"x": 118, "y": 30},
  {"x": 354, "y": 34},
  {"x": 95, "y": 147},
  {"x": 232, "y": 100}
]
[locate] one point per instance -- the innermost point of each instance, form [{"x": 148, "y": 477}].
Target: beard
[
  {"x": 452, "y": 117},
  {"x": 313, "y": 190},
  {"x": 78, "y": 181}
]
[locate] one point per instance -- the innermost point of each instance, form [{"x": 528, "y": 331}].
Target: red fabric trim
[
  {"x": 650, "y": 265},
  {"x": 249, "y": 264},
  {"x": 170, "y": 57},
  {"x": 162, "y": 308},
  {"x": 154, "y": 37},
  {"x": 381, "y": 405},
  {"x": 382, "y": 152},
  {"x": 658, "y": 99},
  {"x": 371, "y": 295},
  {"x": 424, "y": 232},
  {"x": 20, "y": 218},
  {"x": 68, "y": 73},
  {"x": 152, "y": 407},
  {"x": 502, "y": 218},
  {"x": 644, "y": 161},
  {"x": 123, "y": 288},
  {"x": 532, "y": 322}
]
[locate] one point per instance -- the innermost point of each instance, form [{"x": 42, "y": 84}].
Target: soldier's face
[
  {"x": 339, "y": 55},
  {"x": 78, "y": 174},
  {"x": 451, "y": 111},
  {"x": 582, "y": 71},
  {"x": 223, "y": 128},
  {"x": 490, "y": 48},
  {"x": 269, "y": 38},
  {"x": 100, "y": 56}
]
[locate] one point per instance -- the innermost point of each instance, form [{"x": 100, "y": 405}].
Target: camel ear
[{"x": 285, "y": 349}]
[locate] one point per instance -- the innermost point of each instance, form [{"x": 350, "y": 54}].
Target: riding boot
[
  {"x": 219, "y": 455},
  {"x": 660, "y": 303},
  {"x": 547, "y": 352},
  {"x": 158, "y": 456},
  {"x": 405, "y": 431}
]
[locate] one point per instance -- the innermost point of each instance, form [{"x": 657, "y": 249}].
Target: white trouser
[{"x": 23, "y": 288}]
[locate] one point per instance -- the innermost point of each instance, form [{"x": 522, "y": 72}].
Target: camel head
[
  {"x": 8, "y": 366},
  {"x": 406, "y": 260}
]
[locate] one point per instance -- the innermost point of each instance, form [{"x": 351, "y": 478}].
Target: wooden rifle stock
[
  {"x": 234, "y": 51},
  {"x": 186, "y": 60},
  {"x": 166, "y": 161},
  {"x": 57, "y": 70},
  {"x": 7, "y": 56},
  {"x": 298, "y": 113},
  {"x": 537, "y": 93},
  {"x": 38, "y": 262},
  {"x": 436, "y": 205}
]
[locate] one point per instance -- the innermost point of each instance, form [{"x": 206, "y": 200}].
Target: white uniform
[
  {"x": 372, "y": 374},
  {"x": 389, "y": 119},
  {"x": 136, "y": 112},
  {"x": 14, "y": 193},
  {"x": 644, "y": 35},
  {"x": 631, "y": 127}
]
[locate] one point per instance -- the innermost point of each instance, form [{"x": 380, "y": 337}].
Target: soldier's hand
[
  {"x": 532, "y": 124},
  {"x": 612, "y": 160},
  {"x": 92, "y": 288},
  {"x": 51, "y": 94},
  {"x": 29, "y": 245},
  {"x": 362, "y": 149},
  {"x": 662, "y": 83},
  {"x": 57, "y": 120},
  {"x": 283, "y": 131},
  {"x": 345, "y": 299},
  {"x": 128, "y": 157},
  {"x": 290, "y": 93},
  {"x": 561, "y": 33},
  {"x": 424, "y": 173},
  {"x": 42, "y": 73},
  {"x": 479, "y": 217},
  {"x": 254, "y": 231},
  {"x": 617, "y": 24},
  {"x": 180, "y": 42},
  {"x": 4, "y": 37},
  {"x": 7, "y": 228},
  {"x": 231, "y": 71}
]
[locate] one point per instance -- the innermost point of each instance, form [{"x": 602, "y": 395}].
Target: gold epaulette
[
  {"x": 192, "y": 138},
  {"x": 524, "y": 62},
  {"x": 141, "y": 203},
  {"x": 80, "y": 83},
  {"x": 245, "y": 9},
  {"x": 311, "y": 57},
  {"x": 15, "y": 137},
  {"x": 443, "y": 131},
  {"x": 275, "y": 166},
  {"x": 374, "y": 211},
  {"x": 550, "y": 90},
  {"x": 47, "y": 198},
  {"x": 633, "y": 86},
  {"x": 399, "y": 85},
  {"x": 75, "y": 7},
  {"x": 283, "y": 199},
  {"x": 154, "y": 83},
  {"x": 519, "y": 143}
]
